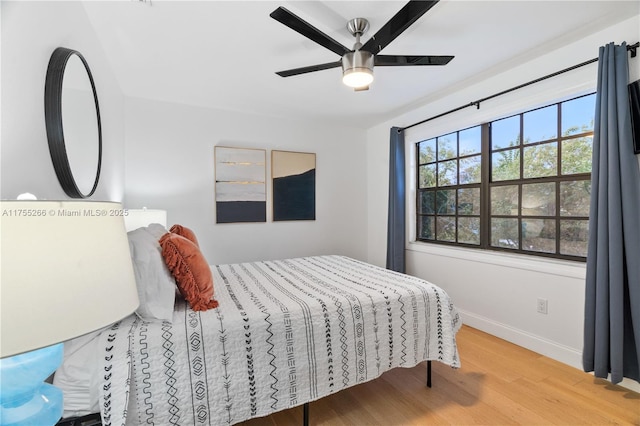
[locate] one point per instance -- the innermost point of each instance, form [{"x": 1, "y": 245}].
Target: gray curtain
[
  {"x": 396, "y": 219},
  {"x": 612, "y": 298}
]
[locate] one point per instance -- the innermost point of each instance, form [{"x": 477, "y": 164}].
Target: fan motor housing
[{"x": 357, "y": 59}]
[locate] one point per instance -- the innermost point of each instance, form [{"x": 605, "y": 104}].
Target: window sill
[{"x": 564, "y": 268}]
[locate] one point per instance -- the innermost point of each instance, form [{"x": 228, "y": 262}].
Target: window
[{"x": 521, "y": 183}]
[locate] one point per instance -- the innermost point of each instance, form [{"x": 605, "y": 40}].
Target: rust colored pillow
[
  {"x": 183, "y": 231},
  {"x": 190, "y": 269}
]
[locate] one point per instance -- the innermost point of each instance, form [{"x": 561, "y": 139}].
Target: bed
[{"x": 285, "y": 333}]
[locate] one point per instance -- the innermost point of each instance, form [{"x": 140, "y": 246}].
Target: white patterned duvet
[{"x": 285, "y": 333}]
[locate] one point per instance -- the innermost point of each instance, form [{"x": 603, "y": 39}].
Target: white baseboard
[{"x": 548, "y": 348}]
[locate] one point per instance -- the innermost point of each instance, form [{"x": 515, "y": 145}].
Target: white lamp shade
[
  {"x": 66, "y": 271},
  {"x": 137, "y": 218}
]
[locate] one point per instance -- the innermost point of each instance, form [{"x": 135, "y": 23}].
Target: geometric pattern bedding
[{"x": 285, "y": 333}]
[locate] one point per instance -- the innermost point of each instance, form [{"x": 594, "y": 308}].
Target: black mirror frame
[{"x": 53, "y": 121}]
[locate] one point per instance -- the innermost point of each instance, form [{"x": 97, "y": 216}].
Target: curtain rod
[{"x": 632, "y": 48}]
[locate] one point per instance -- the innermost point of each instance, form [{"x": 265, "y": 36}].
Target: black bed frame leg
[
  {"x": 305, "y": 407},
  {"x": 305, "y": 414}
]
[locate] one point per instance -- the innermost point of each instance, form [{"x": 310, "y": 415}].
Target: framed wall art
[
  {"x": 240, "y": 191},
  {"x": 293, "y": 185}
]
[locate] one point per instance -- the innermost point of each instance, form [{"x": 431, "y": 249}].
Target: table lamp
[{"x": 65, "y": 270}]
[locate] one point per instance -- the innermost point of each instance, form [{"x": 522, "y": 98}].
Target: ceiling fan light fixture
[
  {"x": 357, "y": 77},
  {"x": 357, "y": 68}
]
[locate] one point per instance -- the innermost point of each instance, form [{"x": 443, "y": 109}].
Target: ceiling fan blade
[
  {"x": 403, "y": 61},
  {"x": 396, "y": 25},
  {"x": 299, "y": 25},
  {"x": 312, "y": 68}
]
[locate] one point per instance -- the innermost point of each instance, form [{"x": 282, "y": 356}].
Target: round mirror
[{"x": 72, "y": 118}]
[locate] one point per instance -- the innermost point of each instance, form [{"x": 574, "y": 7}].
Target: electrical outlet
[{"x": 542, "y": 305}]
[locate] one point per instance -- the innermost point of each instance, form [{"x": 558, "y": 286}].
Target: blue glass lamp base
[
  {"x": 24, "y": 397},
  {"x": 45, "y": 408}
]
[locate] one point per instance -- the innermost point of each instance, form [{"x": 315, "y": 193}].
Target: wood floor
[{"x": 499, "y": 384}]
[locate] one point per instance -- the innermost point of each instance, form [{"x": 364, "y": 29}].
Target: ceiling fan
[{"x": 357, "y": 63}]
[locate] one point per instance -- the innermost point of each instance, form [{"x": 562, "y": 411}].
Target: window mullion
[
  {"x": 559, "y": 176},
  {"x": 485, "y": 179}
]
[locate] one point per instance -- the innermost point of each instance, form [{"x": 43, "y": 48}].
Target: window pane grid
[
  {"x": 540, "y": 160},
  {"x": 448, "y": 196}
]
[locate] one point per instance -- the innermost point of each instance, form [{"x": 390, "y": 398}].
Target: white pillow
[{"x": 156, "y": 285}]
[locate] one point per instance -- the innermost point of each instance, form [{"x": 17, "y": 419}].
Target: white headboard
[{"x": 137, "y": 218}]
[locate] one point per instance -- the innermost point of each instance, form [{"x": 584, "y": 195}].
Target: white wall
[
  {"x": 30, "y": 33},
  {"x": 170, "y": 165},
  {"x": 497, "y": 292}
]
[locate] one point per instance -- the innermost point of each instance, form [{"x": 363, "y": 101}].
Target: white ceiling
[{"x": 224, "y": 54}]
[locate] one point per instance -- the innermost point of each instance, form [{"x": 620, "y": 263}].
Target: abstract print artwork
[
  {"x": 294, "y": 185},
  {"x": 241, "y": 194}
]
